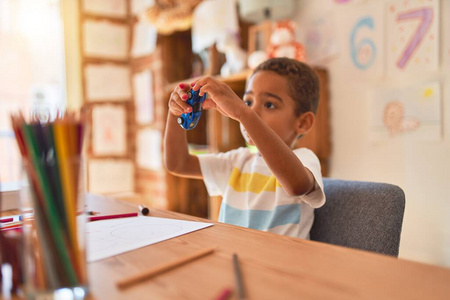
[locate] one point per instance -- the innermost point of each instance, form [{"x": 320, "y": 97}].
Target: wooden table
[{"x": 273, "y": 267}]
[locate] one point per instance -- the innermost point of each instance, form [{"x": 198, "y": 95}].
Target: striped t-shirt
[{"x": 253, "y": 197}]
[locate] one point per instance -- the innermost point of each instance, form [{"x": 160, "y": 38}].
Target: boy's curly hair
[{"x": 302, "y": 79}]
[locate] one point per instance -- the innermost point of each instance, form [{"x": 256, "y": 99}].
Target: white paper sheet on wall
[
  {"x": 413, "y": 37},
  {"x": 109, "y": 8},
  {"x": 319, "y": 36},
  {"x": 108, "y": 176},
  {"x": 109, "y": 131},
  {"x": 107, "y": 238},
  {"x": 362, "y": 42},
  {"x": 143, "y": 97},
  {"x": 144, "y": 39},
  {"x": 148, "y": 144},
  {"x": 108, "y": 82},
  {"x": 103, "y": 39},
  {"x": 412, "y": 112}
]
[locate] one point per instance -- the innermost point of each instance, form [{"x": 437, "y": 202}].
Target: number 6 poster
[
  {"x": 363, "y": 42},
  {"x": 413, "y": 37}
]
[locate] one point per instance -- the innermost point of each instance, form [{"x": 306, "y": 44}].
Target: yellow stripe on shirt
[{"x": 252, "y": 182}]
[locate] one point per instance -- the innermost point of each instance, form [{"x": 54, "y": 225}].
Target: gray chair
[{"x": 361, "y": 215}]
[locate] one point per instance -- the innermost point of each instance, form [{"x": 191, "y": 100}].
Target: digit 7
[{"x": 426, "y": 16}]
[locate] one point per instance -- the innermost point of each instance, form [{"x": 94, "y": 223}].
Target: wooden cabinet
[{"x": 221, "y": 134}]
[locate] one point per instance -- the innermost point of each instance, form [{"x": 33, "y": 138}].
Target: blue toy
[{"x": 189, "y": 121}]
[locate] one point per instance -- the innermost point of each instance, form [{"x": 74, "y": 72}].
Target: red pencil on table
[
  {"x": 225, "y": 294},
  {"x": 98, "y": 218},
  {"x": 6, "y": 220}
]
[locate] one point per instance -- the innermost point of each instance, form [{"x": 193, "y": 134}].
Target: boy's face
[{"x": 268, "y": 95}]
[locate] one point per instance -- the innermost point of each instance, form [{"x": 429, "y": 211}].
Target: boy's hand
[
  {"x": 177, "y": 101},
  {"x": 220, "y": 97}
]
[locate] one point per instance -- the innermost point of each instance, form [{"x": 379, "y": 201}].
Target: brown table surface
[{"x": 273, "y": 267}]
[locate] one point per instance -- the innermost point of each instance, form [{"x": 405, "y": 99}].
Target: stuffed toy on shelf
[{"x": 283, "y": 43}]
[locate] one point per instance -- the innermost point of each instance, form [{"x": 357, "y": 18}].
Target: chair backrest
[{"x": 361, "y": 215}]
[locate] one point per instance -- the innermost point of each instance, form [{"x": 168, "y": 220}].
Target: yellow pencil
[{"x": 62, "y": 144}]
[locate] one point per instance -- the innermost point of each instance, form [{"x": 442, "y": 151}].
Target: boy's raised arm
[
  {"x": 284, "y": 164},
  {"x": 177, "y": 159}
]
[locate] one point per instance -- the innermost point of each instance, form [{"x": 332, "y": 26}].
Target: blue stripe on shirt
[{"x": 261, "y": 219}]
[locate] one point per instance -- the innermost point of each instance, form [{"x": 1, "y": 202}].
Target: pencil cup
[{"x": 53, "y": 210}]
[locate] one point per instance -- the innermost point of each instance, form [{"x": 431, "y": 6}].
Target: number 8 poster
[{"x": 412, "y": 37}]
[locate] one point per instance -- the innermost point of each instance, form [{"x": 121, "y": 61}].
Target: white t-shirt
[{"x": 253, "y": 197}]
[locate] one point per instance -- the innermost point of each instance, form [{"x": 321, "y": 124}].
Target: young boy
[{"x": 277, "y": 188}]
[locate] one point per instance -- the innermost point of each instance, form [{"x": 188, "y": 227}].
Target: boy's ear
[{"x": 307, "y": 120}]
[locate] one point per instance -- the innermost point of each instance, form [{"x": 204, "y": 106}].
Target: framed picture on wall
[
  {"x": 107, "y": 8},
  {"x": 109, "y": 130},
  {"x": 107, "y": 82},
  {"x": 105, "y": 39}
]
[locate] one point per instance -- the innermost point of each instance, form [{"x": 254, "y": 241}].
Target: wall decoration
[
  {"x": 364, "y": 29},
  {"x": 109, "y": 131},
  {"x": 413, "y": 112},
  {"x": 104, "y": 39},
  {"x": 413, "y": 37},
  {"x": 171, "y": 15},
  {"x": 144, "y": 39},
  {"x": 148, "y": 144},
  {"x": 320, "y": 39},
  {"x": 144, "y": 98},
  {"x": 109, "y": 8},
  {"x": 107, "y": 176},
  {"x": 107, "y": 82}
]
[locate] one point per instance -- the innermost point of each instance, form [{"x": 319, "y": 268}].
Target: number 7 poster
[{"x": 412, "y": 37}]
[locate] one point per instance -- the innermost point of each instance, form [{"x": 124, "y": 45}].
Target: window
[{"x": 32, "y": 70}]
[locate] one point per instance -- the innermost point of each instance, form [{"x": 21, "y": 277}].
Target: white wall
[{"x": 420, "y": 168}]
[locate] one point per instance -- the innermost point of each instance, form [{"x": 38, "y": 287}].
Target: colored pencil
[
  {"x": 51, "y": 152},
  {"x": 50, "y": 211},
  {"x": 225, "y": 294},
  {"x": 238, "y": 277},
  {"x": 99, "y": 218},
  {"x": 6, "y": 220},
  {"x": 127, "y": 282}
]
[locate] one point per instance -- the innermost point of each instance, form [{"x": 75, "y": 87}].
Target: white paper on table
[
  {"x": 109, "y": 131},
  {"x": 148, "y": 144},
  {"x": 412, "y": 37},
  {"x": 107, "y": 82},
  {"x": 107, "y": 238},
  {"x": 105, "y": 39},
  {"x": 143, "y": 97},
  {"x": 144, "y": 39},
  {"x": 109, "y": 8},
  {"x": 108, "y": 176}
]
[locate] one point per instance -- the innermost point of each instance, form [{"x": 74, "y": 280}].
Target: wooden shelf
[{"x": 232, "y": 80}]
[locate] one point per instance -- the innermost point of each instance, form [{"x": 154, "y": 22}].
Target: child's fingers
[
  {"x": 182, "y": 90},
  {"x": 177, "y": 105},
  {"x": 196, "y": 85},
  {"x": 192, "y": 84},
  {"x": 208, "y": 104},
  {"x": 183, "y": 86}
]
